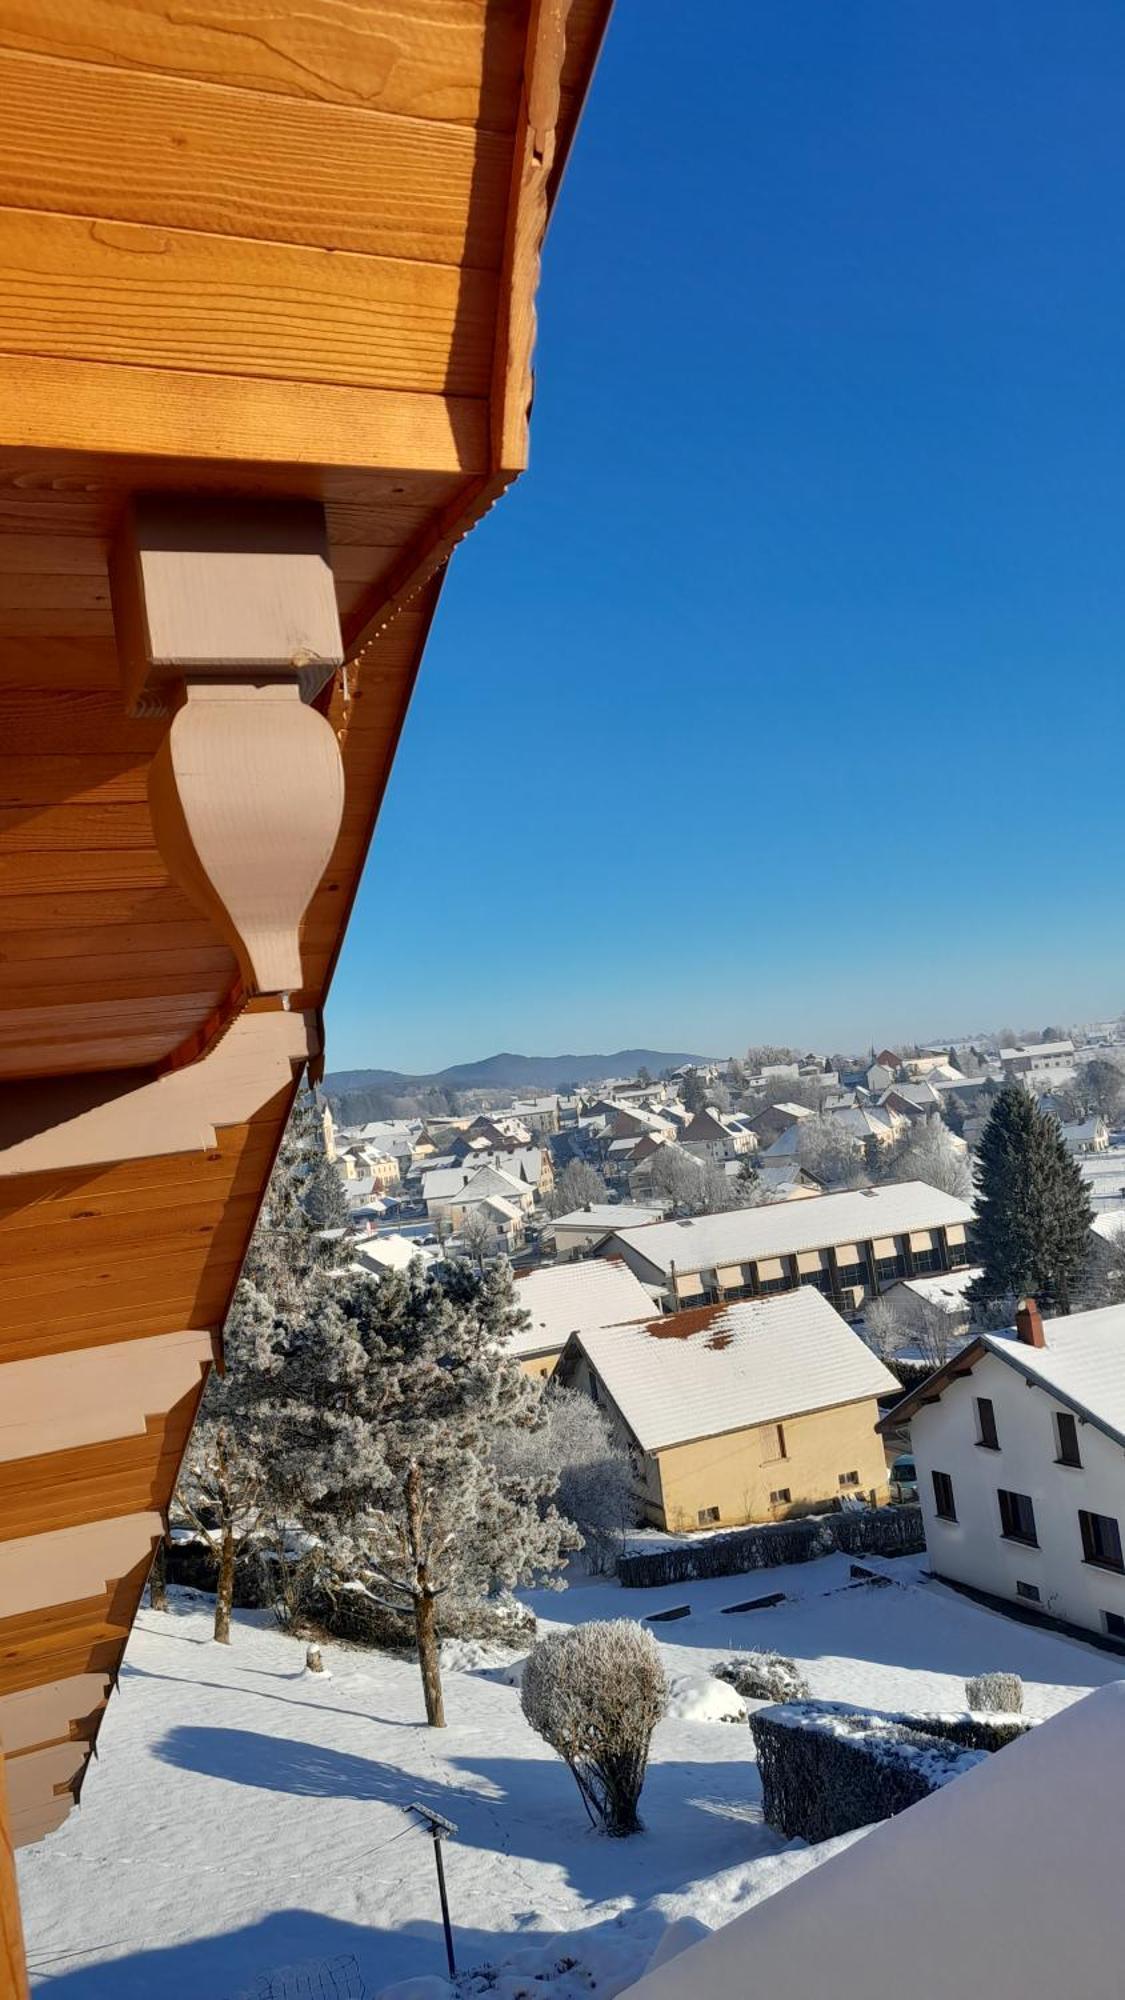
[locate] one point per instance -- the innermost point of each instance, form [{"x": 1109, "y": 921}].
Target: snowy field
[{"x": 246, "y": 1817}]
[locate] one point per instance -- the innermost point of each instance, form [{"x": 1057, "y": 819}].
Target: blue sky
[{"x": 789, "y": 679}]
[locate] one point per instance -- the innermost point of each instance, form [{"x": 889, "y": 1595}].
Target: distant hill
[{"x": 352, "y": 1091}]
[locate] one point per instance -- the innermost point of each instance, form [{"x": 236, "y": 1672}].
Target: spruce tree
[
  {"x": 1033, "y": 1208},
  {"x": 396, "y": 1391}
]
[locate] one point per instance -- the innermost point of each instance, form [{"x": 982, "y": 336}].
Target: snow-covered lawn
[{"x": 246, "y": 1816}]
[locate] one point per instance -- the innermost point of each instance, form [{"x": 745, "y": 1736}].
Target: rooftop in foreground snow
[{"x": 574, "y": 1298}]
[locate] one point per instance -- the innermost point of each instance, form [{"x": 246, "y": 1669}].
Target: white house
[
  {"x": 1039, "y": 1064},
  {"x": 1019, "y": 1442},
  {"x": 1087, "y": 1135}
]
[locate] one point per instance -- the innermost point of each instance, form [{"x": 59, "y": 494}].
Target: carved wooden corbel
[{"x": 225, "y": 615}]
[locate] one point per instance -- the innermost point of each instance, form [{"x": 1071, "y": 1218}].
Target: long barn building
[{"x": 266, "y": 334}]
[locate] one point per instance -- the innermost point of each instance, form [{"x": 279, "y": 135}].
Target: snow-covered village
[{"x": 523, "y": 1526}]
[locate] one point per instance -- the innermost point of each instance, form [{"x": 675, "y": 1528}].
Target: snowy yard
[{"x": 247, "y": 1817}]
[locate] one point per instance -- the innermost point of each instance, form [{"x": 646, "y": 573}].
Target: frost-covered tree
[
  {"x": 676, "y": 1178},
  {"x": 323, "y": 1195},
  {"x": 578, "y": 1186},
  {"x": 398, "y": 1388},
  {"x": 1031, "y": 1234},
  {"x": 576, "y": 1458},
  {"x": 595, "y": 1694},
  {"x": 929, "y": 1152},
  {"x": 224, "y": 1485},
  {"x": 476, "y": 1235},
  {"x": 828, "y": 1152}
]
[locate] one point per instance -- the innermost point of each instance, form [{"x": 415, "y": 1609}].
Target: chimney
[{"x": 1029, "y": 1324}]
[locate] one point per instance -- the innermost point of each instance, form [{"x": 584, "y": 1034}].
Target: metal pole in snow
[{"x": 438, "y": 1826}]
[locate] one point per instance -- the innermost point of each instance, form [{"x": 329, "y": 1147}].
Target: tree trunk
[
  {"x": 225, "y": 1593},
  {"x": 425, "y": 1628},
  {"x": 158, "y": 1580}
]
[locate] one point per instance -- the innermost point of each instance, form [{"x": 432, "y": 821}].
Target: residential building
[
  {"x": 576, "y": 1234},
  {"x": 1023, "y": 1494},
  {"x": 714, "y": 1137},
  {"x": 449, "y": 1191},
  {"x": 380, "y": 1254},
  {"x": 846, "y": 1245},
  {"x": 1039, "y": 1064},
  {"x": 562, "y": 1299},
  {"x": 1087, "y": 1135},
  {"x": 744, "y": 1412},
  {"x": 1006, "y": 1882},
  {"x": 856, "y": 1121}
]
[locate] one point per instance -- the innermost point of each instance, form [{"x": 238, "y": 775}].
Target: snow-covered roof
[
  {"x": 471, "y": 1183},
  {"x": 942, "y": 1288},
  {"x": 390, "y": 1253},
  {"x": 1006, "y": 1881},
  {"x": 723, "y": 1368},
  {"x": 742, "y": 1235},
  {"x": 604, "y": 1215},
  {"x": 1110, "y": 1226},
  {"x": 1082, "y": 1364},
  {"x": 1041, "y": 1049},
  {"x": 572, "y": 1298}
]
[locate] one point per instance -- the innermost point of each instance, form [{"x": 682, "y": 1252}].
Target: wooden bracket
[
  {"x": 51, "y": 1125},
  {"x": 225, "y": 615}
]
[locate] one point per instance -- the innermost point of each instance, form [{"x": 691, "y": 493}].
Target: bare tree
[
  {"x": 828, "y": 1152},
  {"x": 476, "y": 1235},
  {"x": 578, "y": 1186}
]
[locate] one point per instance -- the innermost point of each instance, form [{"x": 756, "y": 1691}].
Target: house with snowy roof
[
  {"x": 576, "y": 1234},
  {"x": 1006, "y": 1882},
  {"x": 561, "y": 1299},
  {"x": 745, "y": 1412},
  {"x": 1019, "y": 1441},
  {"x": 849, "y": 1246},
  {"x": 713, "y": 1137}
]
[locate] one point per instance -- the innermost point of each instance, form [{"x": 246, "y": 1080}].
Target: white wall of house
[{"x": 973, "y": 1550}]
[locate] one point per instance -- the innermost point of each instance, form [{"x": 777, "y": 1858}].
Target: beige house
[
  {"x": 576, "y": 1233},
  {"x": 848, "y": 1246},
  {"x": 745, "y": 1412},
  {"x": 561, "y": 1299}
]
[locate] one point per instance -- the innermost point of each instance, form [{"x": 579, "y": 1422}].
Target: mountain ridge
[{"x": 508, "y": 1071}]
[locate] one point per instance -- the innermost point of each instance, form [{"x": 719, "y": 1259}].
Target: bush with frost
[
  {"x": 595, "y": 1694},
  {"x": 1001, "y": 1694}
]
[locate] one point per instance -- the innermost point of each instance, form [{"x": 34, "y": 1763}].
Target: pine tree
[
  {"x": 1033, "y": 1208},
  {"x": 693, "y": 1092},
  {"x": 323, "y": 1196},
  {"x": 397, "y": 1390}
]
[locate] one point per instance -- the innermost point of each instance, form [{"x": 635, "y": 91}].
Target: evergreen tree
[
  {"x": 323, "y": 1197},
  {"x": 224, "y": 1487},
  {"x": 693, "y": 1092},
  {"x": 397, "y": 1388},
  {"x": 1033, "y": 1208}
]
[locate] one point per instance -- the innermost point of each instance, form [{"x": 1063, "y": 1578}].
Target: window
[
  {"x": 848, "y": 1479},
  {"x": 1101, "y": 1540},
  {"x": 1114, "y": 1624},
  {"x": 1066, "y": 1436},
  {"x": 595, "y": 1391},
  {"x": 927, "y": 1260},
  {"x": 1029, "y": 1590},
  {"x": 1017, "y": 1517},
  {"x": 771, "y": 1443},
  {"x": 986, "y": 1425},
  {"x": 781, "y": 1497},
  {"x": 707, "y": 1514},
  {"x": 851, "y": 1275},
  {"x": 887, "y": 1269},
  {"x": 943, "y": 1496}
]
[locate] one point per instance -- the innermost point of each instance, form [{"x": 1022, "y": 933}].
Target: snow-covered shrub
[
  {"x": 827, "y": 1770},
  {"x": 765, "y": 1677},
  {"x": 992, "y": 1731},
  {"x": 1002, "y": 1693},
  {"x": 703, "y": 1698},
  {"x": 595, "y": 1694}
]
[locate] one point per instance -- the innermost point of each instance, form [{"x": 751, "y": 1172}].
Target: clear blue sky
[{"x": 788, "y": 682}]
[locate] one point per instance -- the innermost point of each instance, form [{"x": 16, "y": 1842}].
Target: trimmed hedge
[
  {"x": 764, "y": 1677},
  {"x": 1000, "y": 1693},
  {"x": 973, "y": 1731},
  {"x": 884, "y": 1531},
  {"x": 827, "y": 1769}
]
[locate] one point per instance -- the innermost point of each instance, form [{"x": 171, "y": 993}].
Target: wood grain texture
[
  {"x": 433, "y": 59},
  {"x": 89, "y": 406},
  {"x": 96, "y": 1482},
  {"x": 144, "y": 149},
  {"x": 92, "y": 290}
]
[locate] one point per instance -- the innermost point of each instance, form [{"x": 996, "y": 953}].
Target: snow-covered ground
[{"x": 247, "y": 1817}]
